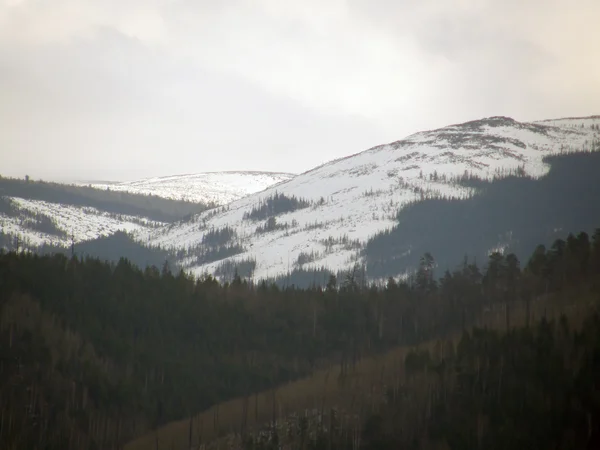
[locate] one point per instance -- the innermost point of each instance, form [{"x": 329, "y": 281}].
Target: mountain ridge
[
  {"x": 349, "y": 200},
  {"x": 323, "y": 219},
  {"x": 217, "y": 187}
]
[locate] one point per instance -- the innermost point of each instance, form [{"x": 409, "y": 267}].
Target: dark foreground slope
[
  {"x": 535, "y": 387},
  {"x": 93, "y": 355}
]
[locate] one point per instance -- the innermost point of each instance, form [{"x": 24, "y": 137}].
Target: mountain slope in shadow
[{"x": 514, "y": 214}]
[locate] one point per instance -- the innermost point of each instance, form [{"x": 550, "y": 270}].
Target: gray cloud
[{"x": 129, "y": 89}]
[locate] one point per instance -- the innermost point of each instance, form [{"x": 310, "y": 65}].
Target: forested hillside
[
  {"x": 111, "y": 249},
  {"x": 535, "y": 387},
  {"x": 514, "y": 213},
  {"x": 95, "y": 354}
]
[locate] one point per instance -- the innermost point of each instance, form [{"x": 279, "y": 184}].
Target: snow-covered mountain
[
  {"x": 218, "y": 188},
  {"x": 324, "y": 217}
]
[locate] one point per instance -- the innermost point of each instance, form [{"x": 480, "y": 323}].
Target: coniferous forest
[{"x": 97, "y": 355}]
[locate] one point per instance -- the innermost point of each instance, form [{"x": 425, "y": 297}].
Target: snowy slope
[
  {"x": 353, "y": 198},
  {"x": 37, "y": 222},
  {"x": 209, "y": 187},
  {"x": 65, "y": 223}
]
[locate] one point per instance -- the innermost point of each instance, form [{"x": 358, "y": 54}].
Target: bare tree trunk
[
  {"x": 256, "y": 407},
  {"x": 199, "y": 432},
  {"x": 190, "y": 432},
  {"x": 500, "y": 379},
  {"x": 244, "y": 416}
]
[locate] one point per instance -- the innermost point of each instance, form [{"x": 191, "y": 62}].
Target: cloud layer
[{"x": 130, "y": 88}]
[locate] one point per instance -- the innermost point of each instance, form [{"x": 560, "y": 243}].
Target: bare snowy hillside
[
  {"x": 35, "y": 213},
  {"x": 218, "y": 188},
  {"x": 324, "y": 217},
  {"x": 34, "y": 222},
  {"x": 38, "y": 213}
]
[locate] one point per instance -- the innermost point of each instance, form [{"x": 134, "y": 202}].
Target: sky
[{"x": 127, "y": 89}]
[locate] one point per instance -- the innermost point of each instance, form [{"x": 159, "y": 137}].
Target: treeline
[
  {"x": 109, "y": 248},
  {"x": 274, "y": 205},
  {"x": 93, "y": 354},
  {"x": 219, "y": 236},
  {"x": 216, "y": 244},
  {"x": 229, "y": 270},
  {"x": 150, "y": 206}
]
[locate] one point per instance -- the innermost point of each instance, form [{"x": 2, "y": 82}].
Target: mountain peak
[{"x": 494, "y": 121}]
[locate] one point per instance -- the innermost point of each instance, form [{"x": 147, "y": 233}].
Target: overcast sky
[{"x": 124, "y": 89}]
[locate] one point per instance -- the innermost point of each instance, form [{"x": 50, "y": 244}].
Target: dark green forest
[
  {"x": 518, "y": 212},
  {"x": 112, "y": 248},
  {"x": 94, "y": 354},
  {"x": 275, "y": 205},
  {"x": 531, "y": 388},
  {"x": 534, "y": 388},
  {"x": 109, "y": 248}
]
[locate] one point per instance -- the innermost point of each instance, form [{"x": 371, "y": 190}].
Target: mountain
[
  {"x": 335, "y": 216},
  {"x": 217, "y": 188},
  {"x": 493, "y": 183}
]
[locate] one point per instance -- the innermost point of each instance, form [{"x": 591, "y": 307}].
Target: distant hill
[
  {"x": 41, "y": 216},
  {"x": 217, "y": 188}
]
